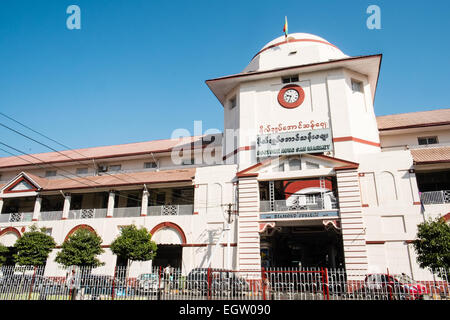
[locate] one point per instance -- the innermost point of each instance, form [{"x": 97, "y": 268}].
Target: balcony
[
  {"x": 308, "y": 204},
  {"x": 16, "y": 217},
  {"x": 87, "y": 213},
  {"x": 171, "y": 210},
  {"x": 50, "y": 215},
  {"x": 98, "y": 213}
]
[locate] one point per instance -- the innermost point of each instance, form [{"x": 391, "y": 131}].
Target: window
[
  {"x": 295, "y": 164},
  {"x": 232, "y": 102},
  {"x": 50, "y": 173},
  {"x": 427, "y": 140},
  {"x": 82, "y": 170},
  {"x": 310, "y": 165},
  {"x": 116, "y": 167},
  {"x": 150, "y": 165},
  {"x": 357, "y": 86},
  {"x": 188, "y": 161},
  {"x": 289, "y": 79},
  {"x": 279, "y": 168}
]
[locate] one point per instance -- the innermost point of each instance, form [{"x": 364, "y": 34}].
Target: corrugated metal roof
[
  {"x": 431, "y": 155},
  {"x": 414, "y": 119}
]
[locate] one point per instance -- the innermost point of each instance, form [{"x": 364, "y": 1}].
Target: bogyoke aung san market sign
[
  {"x": 299, "y": 215},
  {"x": 295, "y": 142}
]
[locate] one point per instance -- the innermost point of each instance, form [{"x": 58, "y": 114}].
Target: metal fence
[
  {"x": 435, "y": 197},
  {"x": 29, "y": 283},
  {"x": 16, "y": 217}
]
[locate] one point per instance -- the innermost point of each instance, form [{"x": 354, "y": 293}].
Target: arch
[
  {"x": 80, "y": 226},
  {"x": 387, "y": 187},
  {"x": 170, "y": 225},
  {"x": 11, "y": 229}
]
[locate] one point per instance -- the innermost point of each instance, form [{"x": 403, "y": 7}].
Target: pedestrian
[{"x": 167, "y": 272}]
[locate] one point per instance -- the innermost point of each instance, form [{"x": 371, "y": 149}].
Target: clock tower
[{"x": 296, "y": 84}]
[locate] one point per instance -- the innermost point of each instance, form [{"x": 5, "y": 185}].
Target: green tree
[
  {"x": 81, "y": 249},
  {"x": 33, "y": 248},
  {"x": 134, "y": 244},
  {"x": 3, "y": 253},
  {"x": 433, "y": 244}
]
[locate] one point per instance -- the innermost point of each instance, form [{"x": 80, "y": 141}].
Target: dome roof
[{"x": 297, "y": 49}]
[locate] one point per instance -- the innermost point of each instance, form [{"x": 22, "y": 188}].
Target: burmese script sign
[
  {"x": 299, "y": 215},
  {"x": 296, "y": 142}
]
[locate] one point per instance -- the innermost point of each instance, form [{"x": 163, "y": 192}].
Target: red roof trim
[
  {"x": 421, "y": 125},
  {"x": 432, "y": 162},
  {"x": 239, "y": 75},
  {"x": 118, "y": 185},
  {"x": 22, "y": 178},
  {"x": 332, "y": 158}
]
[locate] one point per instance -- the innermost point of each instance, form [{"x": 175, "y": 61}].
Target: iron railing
[
  {"x": 50, "y": 215},
  {"x": 88, "y": 213},
  {"x": 171, "y": 210},
  {"x": 16, "y": 217},
  {"x": 435, "y": 197},
  {"x": 284, "y": 205},
  {"x": 31, "y": 283}
]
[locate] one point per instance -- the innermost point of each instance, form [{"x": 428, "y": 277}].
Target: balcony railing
[
  {"x": 164, "y": 210},
  {"x": 87, "y": 213},
  {"x": 16, "y": 217},
  {"x": 50, "y": 215},
  {"x": 171, "y": 210},
  {"x": 435, "y": 197},
  {"x": 283, "y": 205},
  {"x": 127, "y": 212}
]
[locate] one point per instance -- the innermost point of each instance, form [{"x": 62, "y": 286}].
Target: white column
[
  {"x": 1, "y": 205},
  {"x": 37, "y": 208},
  {"x": 111, "y": 199},
  {"x": 144, "y": 203},
  {"x": 66, "y": 208}
]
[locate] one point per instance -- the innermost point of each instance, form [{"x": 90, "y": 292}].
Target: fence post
[
  {"x": 209, "y": 283},
  {"x": 327, "y": 284},
  {"x": 32, "y": 283},
  {"x": 389, "y": 284},
  {"x": 159, "y": 283},
  {"x": 114, "y": 282},
  {"x": 263, "y": 282}
]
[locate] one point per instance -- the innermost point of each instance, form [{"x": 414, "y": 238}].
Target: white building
[{"x": 312, "y": 175}]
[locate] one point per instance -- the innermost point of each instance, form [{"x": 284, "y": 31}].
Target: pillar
[
  {"x": 1, "y": 205},
  {"x": 111, "y": 199},
  {"x": 352, "y": 224},
  {"x": 66, "y": 208},
  {"x": 37, "y": 208},
  {"x": 144, "y": 202},
  {"x": 249, "y": 256}
]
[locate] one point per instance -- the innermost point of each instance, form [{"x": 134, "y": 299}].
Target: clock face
[{"x": 291, "y": 96}]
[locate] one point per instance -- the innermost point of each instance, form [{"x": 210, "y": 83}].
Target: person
[{"x": 167, "y": 272}]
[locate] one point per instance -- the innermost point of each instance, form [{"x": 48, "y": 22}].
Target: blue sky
[{"x": 136, "y": 69}]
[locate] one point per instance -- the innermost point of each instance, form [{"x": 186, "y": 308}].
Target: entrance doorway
[
  {"x": 296, "y": 246},
  {"x": 168, "y": 254}
]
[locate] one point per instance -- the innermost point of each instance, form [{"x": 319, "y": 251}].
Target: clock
[{"x": 291, "y": 96}]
